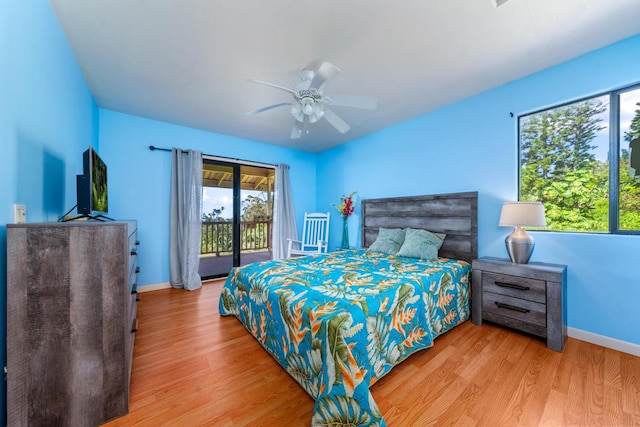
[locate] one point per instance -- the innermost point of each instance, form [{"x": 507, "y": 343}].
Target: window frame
[{"x": 613, "y": 156}]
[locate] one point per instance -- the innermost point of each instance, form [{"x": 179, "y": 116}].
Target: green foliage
[
  {"x": 571, "y": 203},
  {"x": 629, "y": 194},
  {"x": 634, "y": 128},
  {"x": 255, "y": 211},
  {"x": 559, "y": 169},
  {"x": 217, "y": 231},
  {"x": 215, "y": 215},
  {"x": 559, "y": 140},
  {"x": 630, "y": 135},
  {"x": 255, "y": 208}
]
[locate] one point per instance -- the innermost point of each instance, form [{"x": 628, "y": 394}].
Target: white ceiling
[{"x": 187, "y": 61}]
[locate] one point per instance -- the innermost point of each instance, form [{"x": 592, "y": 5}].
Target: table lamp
[{"x": 521, "y": 214}]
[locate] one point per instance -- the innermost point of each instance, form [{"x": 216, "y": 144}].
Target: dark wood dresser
[
  {"x": 71, "y": 321},
  {"x": 527, "y": 297}
]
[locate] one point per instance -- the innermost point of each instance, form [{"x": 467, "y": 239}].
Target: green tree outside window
[{"x": 559, "y": 167}]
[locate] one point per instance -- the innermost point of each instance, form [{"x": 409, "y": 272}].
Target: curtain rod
[{"x": 222, "y": 158}]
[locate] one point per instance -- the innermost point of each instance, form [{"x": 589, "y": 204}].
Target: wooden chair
[{"x": 315, "y": 235}]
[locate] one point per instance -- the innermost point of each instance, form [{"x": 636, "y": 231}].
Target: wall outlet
[{"x": 19, "y": 214}]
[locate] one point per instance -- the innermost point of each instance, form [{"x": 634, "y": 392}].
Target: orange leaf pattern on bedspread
[{"x": 338, "y": 322}]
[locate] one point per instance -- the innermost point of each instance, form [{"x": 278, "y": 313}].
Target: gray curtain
[
  {"x": 185, "y": 219},
  {"x": 284, "y": 219}
]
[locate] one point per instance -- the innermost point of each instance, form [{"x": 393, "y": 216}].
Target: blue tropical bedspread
[{"x": 338, "y": 322}]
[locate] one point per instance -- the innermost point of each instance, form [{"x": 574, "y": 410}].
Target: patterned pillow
[
  {"x": 389, "y": 241},
  {"x": 421, "y": 244}
]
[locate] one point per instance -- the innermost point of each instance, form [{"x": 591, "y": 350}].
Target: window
[
  {"x": 565, "y": 163},
  {"x": 629, "y": 156}
]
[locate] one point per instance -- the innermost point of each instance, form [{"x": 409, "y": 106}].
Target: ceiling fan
[{"x": 310, "y": 104}]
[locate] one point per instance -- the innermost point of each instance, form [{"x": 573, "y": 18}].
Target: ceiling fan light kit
[
  {"x": 310, "y": 104},
  {"x": 307, "y": 105}
]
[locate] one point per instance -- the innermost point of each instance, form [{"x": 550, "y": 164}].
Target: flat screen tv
[{"x": 92, "y": 186}]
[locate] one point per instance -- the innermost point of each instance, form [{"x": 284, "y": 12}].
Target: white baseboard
[
  {"x": 157, "y": 286},
  {"x": 623, "y": 346},
  {"x": 166, "y": 285}
]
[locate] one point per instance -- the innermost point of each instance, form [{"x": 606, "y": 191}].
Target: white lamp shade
[{"x": 522, "y": 214}]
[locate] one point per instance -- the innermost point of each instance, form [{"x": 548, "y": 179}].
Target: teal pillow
[
  {"x": 389, "y": 241},
  {"x": 421, "y": 244}
]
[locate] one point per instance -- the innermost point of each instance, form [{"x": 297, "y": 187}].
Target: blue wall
[
  {"x": 47, "y": 118},
  {"x": 139, "y": 179},
  {"x": 472, "y": 145}
]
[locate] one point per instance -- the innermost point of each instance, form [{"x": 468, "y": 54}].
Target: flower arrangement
[{"x": 346, "y": 206}]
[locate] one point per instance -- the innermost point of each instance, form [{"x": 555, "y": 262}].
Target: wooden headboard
[{"x": 454, "y": 214}]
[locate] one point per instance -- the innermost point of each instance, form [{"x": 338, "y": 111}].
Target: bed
[{"x": 338, "y": 322}]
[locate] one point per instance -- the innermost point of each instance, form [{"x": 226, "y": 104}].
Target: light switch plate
[{"x": 19, "y": 214}]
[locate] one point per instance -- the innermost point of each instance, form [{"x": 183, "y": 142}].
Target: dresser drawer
[
  {"x": 514, "y": 286},
  {"x": 133, "y": 308},
  {"x": 133, "y": 240},
  {"x": 133, "y": 274}
]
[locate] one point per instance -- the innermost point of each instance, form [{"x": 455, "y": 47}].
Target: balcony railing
[{"x": 217, "y": 237}]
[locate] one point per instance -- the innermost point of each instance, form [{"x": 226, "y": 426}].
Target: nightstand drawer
[
  {"x": 515, "y": 308},
  {"x": 514, "y": 286}
]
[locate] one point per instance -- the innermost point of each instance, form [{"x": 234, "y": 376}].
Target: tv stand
[{"x": 88, "y": 217}]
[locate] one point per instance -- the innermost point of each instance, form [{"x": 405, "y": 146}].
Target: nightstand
[{"x": 527, "y": 297}]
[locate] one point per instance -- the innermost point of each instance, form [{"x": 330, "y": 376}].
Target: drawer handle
[
  {"x": 137, "y": 270},
  {"x": 137, "y": 242},
  {"x": 134, "y": 326},
  {"x": 512, "y": 307},
  {"x": 133, "y": 252},
  {"x": 512, "y": 286}
]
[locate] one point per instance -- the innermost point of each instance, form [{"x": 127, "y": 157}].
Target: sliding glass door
[{"x": 237, "y": 206}]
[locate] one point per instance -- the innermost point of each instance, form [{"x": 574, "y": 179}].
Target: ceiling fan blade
[
  {"x": 324, "y": 75},
  {"x": 296, "y": 132},
  {"x": 364, "y": 102},
  {"x": 286, "y": 89},
  {"x": 336, "y": 121},
  {"x": 268, "y": 107}
]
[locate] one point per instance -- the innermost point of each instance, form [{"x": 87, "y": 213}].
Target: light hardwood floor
[{"x": 192, "y": 367}]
